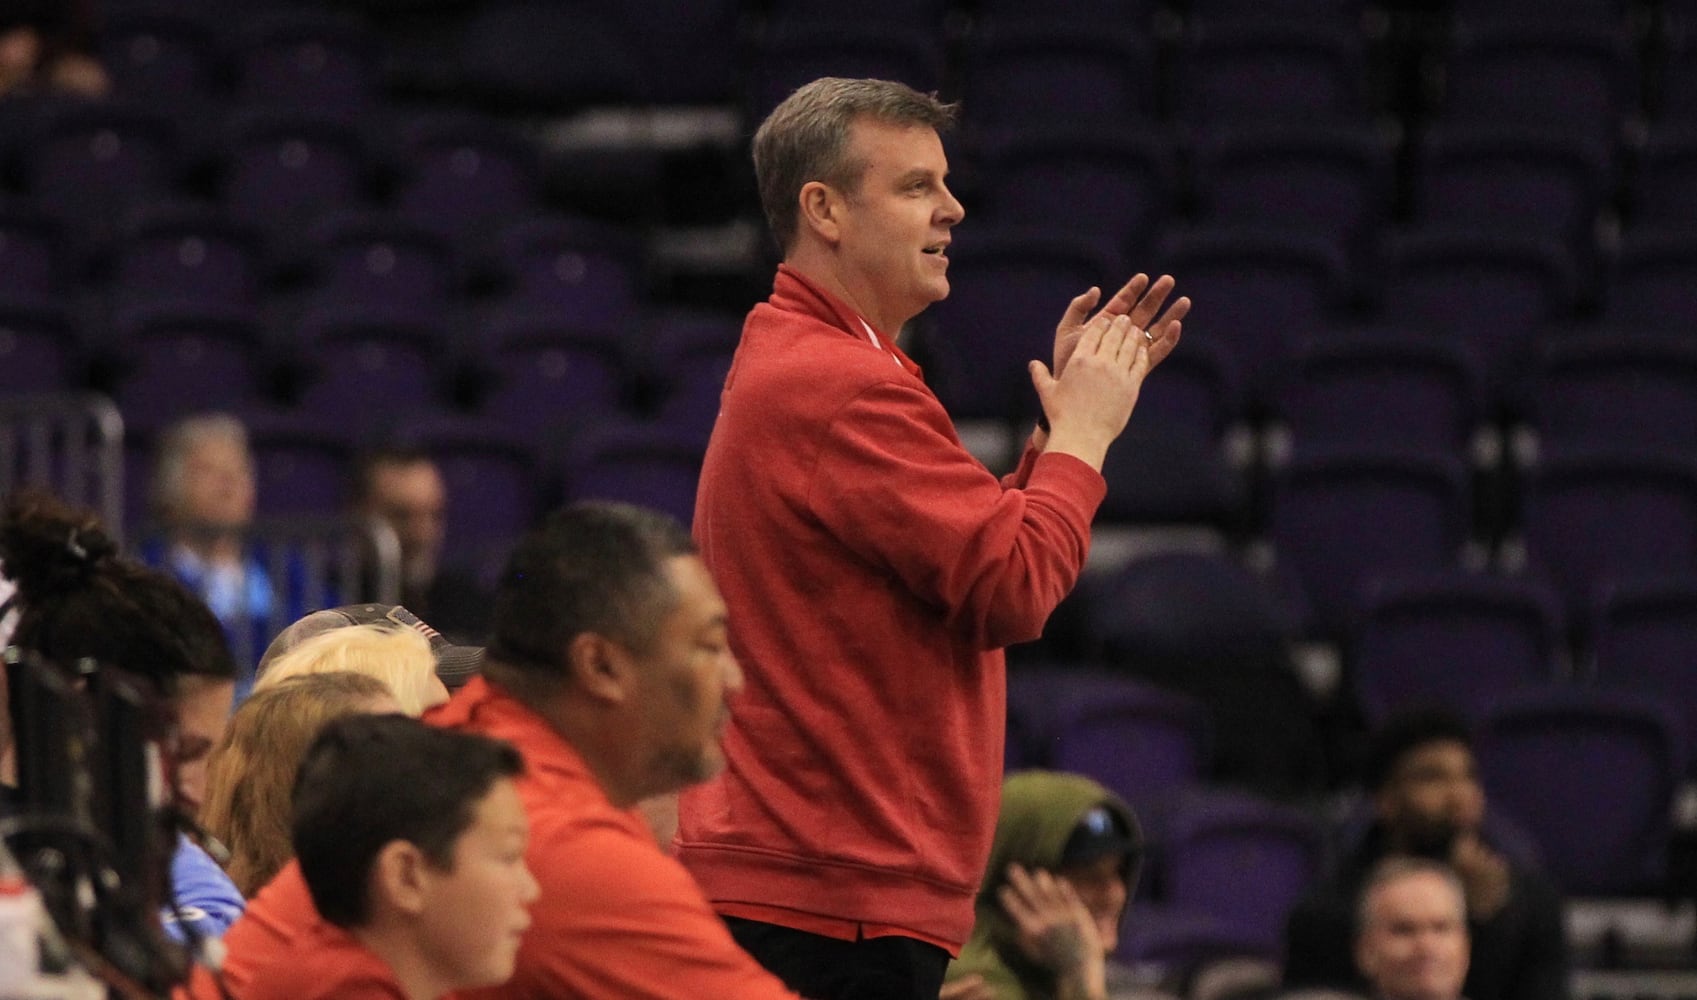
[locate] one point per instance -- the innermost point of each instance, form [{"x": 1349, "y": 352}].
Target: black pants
[{"x": 822, "y": 968}]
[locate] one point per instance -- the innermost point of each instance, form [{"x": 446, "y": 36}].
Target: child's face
[{"x": 479, "y": 910}]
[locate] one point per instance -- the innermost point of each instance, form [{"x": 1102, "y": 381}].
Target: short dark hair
[
  {"x": 78, "y": 598},
  {"x": 388, "y": 453},
  {"x": 1404, "y": 732},
  {"x": 806, "y": 139},
  {"x": 369, "y": 780},
  {"x": 591, "y": 567}
]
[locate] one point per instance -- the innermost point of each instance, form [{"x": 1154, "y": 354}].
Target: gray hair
[
  {"x": 806, "y": 138},
  {"x": 1395, "y": 869},
  {"x": 165, "y": 495}
]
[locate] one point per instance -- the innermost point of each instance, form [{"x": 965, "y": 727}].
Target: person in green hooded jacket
[{"x": 1063, "y": 865}]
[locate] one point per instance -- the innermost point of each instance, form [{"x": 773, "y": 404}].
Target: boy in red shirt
[{"x": 412, "y": 842}]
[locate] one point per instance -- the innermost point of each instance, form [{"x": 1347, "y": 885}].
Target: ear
[
  {"x": 1364, "y": 959},
  {"x": 600, "y": 667},
  {"x": 400, "y": 878},
  {"x": 821, "y": 210}
]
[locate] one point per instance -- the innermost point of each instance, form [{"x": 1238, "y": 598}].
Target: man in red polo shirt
[{"x": 609, "y": 671}]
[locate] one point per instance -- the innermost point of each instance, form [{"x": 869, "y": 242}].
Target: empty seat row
[{"x": 1245, "y": 861}]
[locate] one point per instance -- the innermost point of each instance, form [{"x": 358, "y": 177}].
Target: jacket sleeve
[
  {"x": 1543, "y": 967},
  {"x": 207, "y": 901},
  {"x": 894, "y": 485},
  {"x": 1318, "y": 942}
]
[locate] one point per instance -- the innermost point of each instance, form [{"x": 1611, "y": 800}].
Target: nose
[
  {"x": 531, "y": 889},
  {"x": 952, "y": 210},
  {"x": 732, "y": 673}
]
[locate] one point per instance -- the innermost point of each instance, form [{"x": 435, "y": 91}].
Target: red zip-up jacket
[{"x": 873, "y": 570}]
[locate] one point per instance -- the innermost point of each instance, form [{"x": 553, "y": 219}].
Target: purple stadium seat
[
  {"x": 1143, "y": 743},
  {"x": 546, "y": 375},
  {"x": 1341, "y": 519},
  {"x": 1203, "y": 625},
  {"x": 31, "y": 258},
  {"x": 1488, "y": 290},
  {"x": 1114, "y": 184},
  {"x": 281, "y": 169},
  {"x": 1532, "y": 67},
  {"x": 1424, "y": 393},
  {"x": 913, "y": 15},
  {"x": 187, "y": 254},
  {"x": 1175, "y": 940},
  {"x": 1580, "y": 384},
  {"x": 1242, "y": 858},
  {"x": 307, "y": 60},
  {"x": 575, "y": 271},
  {"x": 1644, "y": 641},
  {"x": 796, "y": 52},
  {"x": 301, "y": 461},
  {"x": 1170, "y": 476},
  {"x": 1650, "y": 287},
  {"x": 1534, "y": 180},
  {"x": 1260, "y": 68},
  {"x": 88, "y": 163},
  {"x": 381, "y": 265},
  {"x": 1020, "y": 75},
  {"x": 162, "y": 57},
  {"x": 545, "y": 56},
  {"x": 647, "y": 464},
  {"x": 1328, "y": 180},
  {"x": 1266, "y": 290},
  {"x": 1604, "y": 13},
  {"x": 1198, "y": 390},
  {"x": 466, "y": 176},
  {"x": 690, "y": 53},
  {"x": 1598, "y": 516},
  {"x": 1548, "y": 756},
  {"x": 39, "y": 348},
  {"x": 369, "y": 367},
  {"x": 1460, "y": 640},
  {"x": 1664, "y": 187},
  {"x": 180, "y": 359}
]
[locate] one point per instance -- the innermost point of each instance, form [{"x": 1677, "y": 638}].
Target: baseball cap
[
  {"x": 1099, "y": 833},
  {"x": 455, "y": 664}
]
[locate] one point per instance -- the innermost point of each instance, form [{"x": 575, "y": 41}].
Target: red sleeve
[
  {"x": 1021, "y": 474},
  {"x": 894, "y": 485},
  {"x": 618, "y": 919}
]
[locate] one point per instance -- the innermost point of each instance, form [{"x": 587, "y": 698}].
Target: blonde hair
[
  {"x": 251, "y": 773},
  {"x": 399, "y": 657}
]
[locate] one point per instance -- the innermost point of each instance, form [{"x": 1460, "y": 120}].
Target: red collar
[{"x": 793, "y": 291}]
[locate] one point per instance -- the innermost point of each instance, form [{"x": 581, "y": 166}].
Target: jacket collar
[{"x": 793, "y": 291}]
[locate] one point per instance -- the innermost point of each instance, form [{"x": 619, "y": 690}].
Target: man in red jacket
[{"x": 873, "y": 568}]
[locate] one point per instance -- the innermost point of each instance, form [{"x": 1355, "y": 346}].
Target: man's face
[
  {"x": 1433, "y": 794},
  {"x": 475, "y": 914},
  {"x": 218, "y": 485},
  {"x": 1101, "y": 885},
  {"x": 411, "y": 497},
  {"x": 203, "y": 712},
  {"x": 895, "y": 223},
  {"x": 685, "y": 679},
  {"x": 1413, "y": 944}
]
